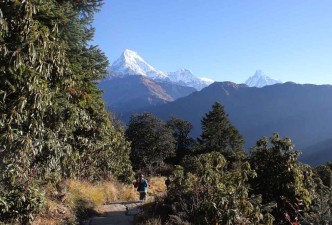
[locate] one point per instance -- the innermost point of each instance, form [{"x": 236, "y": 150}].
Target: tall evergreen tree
[{"x": 218, "y": 134}]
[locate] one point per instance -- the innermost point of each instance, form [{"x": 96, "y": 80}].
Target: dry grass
[
  {"x": 99, "y": 194},
  {"x": 48, "y": 221},
  {"x": 81, "y": 196},
  {"x": 157, "y": 186}
]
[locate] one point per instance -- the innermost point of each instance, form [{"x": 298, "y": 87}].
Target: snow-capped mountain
[
  {"x": 186, "y": 78},
  {"x": 130, "y": 63},
  {"x": 259, "y": 79}
]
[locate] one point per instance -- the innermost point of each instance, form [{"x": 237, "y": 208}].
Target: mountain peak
[
  {"x": 260, "y": 73},
  {"x": 130, "y": 63},
  {"x": 183, "y": 70},
  {"x": 130, "y": 54},
  {"x": 260, "y": 79}
]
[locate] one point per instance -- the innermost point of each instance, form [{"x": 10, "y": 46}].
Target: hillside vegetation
[
  {"x": 214, "y": 181},
  {"x": 53, "y": 124}
]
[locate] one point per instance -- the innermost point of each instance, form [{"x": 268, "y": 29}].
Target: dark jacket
[{"x": 143, "y": 186}]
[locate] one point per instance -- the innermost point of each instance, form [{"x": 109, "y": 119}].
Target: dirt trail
[{"x": 121, "y": 213}]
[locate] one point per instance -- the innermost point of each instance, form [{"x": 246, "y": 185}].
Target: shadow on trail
[{"x": 116, "y": 213}]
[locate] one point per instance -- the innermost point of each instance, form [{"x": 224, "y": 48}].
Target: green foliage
[
  {"x": 221, "y": 184},
  {"x": 281, "y": 178},
  {"x": 205, "y": 192},
  {"x": 184, "y": 143},
  {"x": 151, "y": 142},
  {"x": 325, "y": 174},
  {"x": 16, "y": 205},
  {"x": 209, "y": 188},
  {"x": 218, "y": 134},
  {"x": 53, "y": 124},
  {"x": 320, "y": 211}
]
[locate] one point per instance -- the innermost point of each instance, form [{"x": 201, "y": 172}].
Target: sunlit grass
[
  {"x": 157, "y": 186},
  {"x": 82, "y": 197}
]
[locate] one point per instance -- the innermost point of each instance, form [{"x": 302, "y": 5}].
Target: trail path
[{"x": 120, "y": 213}]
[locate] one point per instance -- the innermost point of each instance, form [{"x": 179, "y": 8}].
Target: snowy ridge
[
  {"x": 186, "y": 78},
  {"x": 259, "y": 79},
  {"x": 130, "y": 63}
]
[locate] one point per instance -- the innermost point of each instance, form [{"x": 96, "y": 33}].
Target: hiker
[
  {"x": 142, "y": 187},
  {"x": 167, "y": 182}
]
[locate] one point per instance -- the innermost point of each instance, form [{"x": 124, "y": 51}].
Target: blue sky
[{"x": 223, "y": 40}]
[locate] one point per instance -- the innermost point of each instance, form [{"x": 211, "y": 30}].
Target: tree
[
  {"x": 218, "y": 134},
  {"x": 151, "y": 141},
  {"x": 281, "y": 178},
  {"x": 184, "y": 143}
]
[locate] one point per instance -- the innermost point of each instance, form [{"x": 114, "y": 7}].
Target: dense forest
[{"x": 54, "y": 126}]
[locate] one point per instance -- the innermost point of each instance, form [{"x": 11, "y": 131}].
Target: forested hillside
[
  {"x": 214, "y": 181},
  {"x": 302, "y": 112}
]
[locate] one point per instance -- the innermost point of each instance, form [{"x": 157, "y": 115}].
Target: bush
[{"x": 20, "y": 204}]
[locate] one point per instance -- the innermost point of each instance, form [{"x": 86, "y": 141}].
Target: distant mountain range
[
  {"x": 257, "y": 108},
  {"x": 130, "y": 63},
  {"x": 133, "y": 84},
  {"x": 300, "y": 112}
]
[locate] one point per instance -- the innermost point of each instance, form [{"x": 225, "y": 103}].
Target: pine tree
[{"x": 218, "y": 134}]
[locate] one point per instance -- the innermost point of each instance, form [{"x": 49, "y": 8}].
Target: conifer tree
[{"x": 218, "y": 134}]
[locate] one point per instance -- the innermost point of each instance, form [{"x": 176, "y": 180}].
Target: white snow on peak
[
  {"x": 207, "y": 80},
  {"x": 259, "y": 79},
  {"x": 186, "y": 78},
  {"x": 130, "y": 63}
]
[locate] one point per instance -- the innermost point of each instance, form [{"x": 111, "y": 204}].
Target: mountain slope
[
  {"x": 259, "y": 79},
  {"x": 319, "y": 153},
  {"x": 130, "y": 93},
  {"x": 301, "y": 112}
]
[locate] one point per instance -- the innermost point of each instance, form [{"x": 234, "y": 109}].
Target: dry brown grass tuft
[{"x": 157, "y": 186}]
